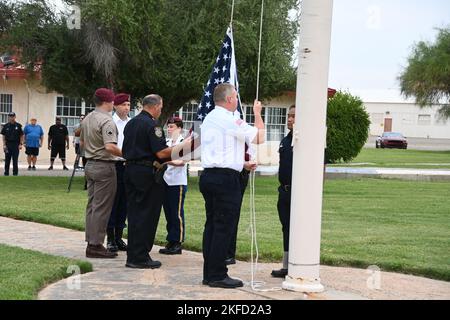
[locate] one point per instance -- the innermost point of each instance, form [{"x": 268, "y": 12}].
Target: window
[
  {"x": 275, "y": 119},
  {"x": 188, "y": 113},
  {"x": 424, "y": 120},
  {"x": 5, "y": 106},
  {"x": 276, "y": 123},
  {"x": 250, "y": 116},
  {"x": 69, "y": 110}
]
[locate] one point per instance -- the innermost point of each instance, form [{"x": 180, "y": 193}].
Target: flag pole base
[{"x": 302, "y": 285}]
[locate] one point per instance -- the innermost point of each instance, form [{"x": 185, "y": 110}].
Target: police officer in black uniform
[
  {"x": 284, "y": 190},
  {"x": 12, "y": 142},
  {"x": 144, "y": 143}
]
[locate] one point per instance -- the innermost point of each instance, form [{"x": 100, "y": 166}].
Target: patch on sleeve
[{"x": 158, "y": 132}]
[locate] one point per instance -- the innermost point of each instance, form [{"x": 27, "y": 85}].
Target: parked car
[{"x": 391, "y": 140}]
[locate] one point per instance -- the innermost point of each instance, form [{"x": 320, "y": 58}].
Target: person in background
[
  {"x": 12, "y": 142},
  {"x": 58, "y": 136},
  {"x": 34, "y": 138}
]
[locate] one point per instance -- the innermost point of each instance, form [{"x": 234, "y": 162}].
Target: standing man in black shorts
[{"x": 58, "y": 142}]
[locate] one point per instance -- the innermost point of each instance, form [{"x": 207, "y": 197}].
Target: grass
[
  {"x": 24, "y": 272},
  {"x": 397, "y": 225},
  {"x": 396, "y": 158}
]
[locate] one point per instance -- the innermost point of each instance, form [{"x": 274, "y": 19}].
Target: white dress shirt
[
  {"x": 223, "y": 138},
  {"x": 175, "y": 176},
  {"x": 120, "y": 124}
]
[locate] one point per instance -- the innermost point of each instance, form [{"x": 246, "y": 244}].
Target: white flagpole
[{"x": 309, "y": 143}]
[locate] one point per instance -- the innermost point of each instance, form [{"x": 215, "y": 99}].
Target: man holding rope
[{"x": 223, "y": 146}]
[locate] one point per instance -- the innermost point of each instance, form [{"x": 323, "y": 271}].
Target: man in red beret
[
  {"x": 99, "y": 139},
  {"x": 118, "y": 216}
]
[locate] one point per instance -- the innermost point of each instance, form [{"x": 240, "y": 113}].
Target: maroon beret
[
  {"x": 174, "y": 120},
  {"x": 121, "y": 98},
  {"x": 105, "y": 95}
]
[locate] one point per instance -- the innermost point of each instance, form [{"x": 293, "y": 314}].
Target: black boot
[
  {"x": 110, "y": 240},
  {"x": 121, "y": 245},
  {"x": 172, "y": 248}
]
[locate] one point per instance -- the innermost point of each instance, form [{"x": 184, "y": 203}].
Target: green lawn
[
  {"x": 24, "y": 272},
  {"x": 397, "y": 225},
  {"x": 396, "y": 158}
]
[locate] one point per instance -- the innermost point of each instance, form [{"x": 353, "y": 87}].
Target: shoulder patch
[{"x": 158, "y": 132}]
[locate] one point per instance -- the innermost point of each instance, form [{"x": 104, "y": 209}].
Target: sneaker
[
  {"x": 50, "y": 168},
  {"x": 33, "y": 168},
  {"x": 65, "y": 168},
  {"x": 29, "y": 168}
]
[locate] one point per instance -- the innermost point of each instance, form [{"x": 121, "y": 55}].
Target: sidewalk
[{"x": 180, "y": 276}]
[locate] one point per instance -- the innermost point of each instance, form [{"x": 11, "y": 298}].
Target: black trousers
[
  {"x": 144, "y": 203},
  {"x": 222, "y": 193},
  {"x": 119, "y": 210},
  {"x": 12, "y": 152},
  {"x": 284, "y": 213},
  {"x": 243, "y": 180},
  {"x": 174, "y": 210}
]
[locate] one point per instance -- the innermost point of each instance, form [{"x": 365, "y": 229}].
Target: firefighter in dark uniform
[
  {"x": 12, "y": 142},
  {"x": 284, "y": 190},
  {"x": 144, "y": 144}
]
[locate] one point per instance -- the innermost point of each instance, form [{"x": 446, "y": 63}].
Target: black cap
[{"x": 11, "y": 114}]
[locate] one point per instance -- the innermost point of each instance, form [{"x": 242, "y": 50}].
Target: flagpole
[
  {"x": 309, "y": 143},
  {"x": 232, "y": 14},
  {"x": 259, "y": 50}
]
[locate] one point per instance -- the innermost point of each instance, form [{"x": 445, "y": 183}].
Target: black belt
[
  {"x": 146, "y": 163},
  {"x": 286, "y": 187},
  {"x": 222, "y": 170},
  {"x": 99, "y": 160}
]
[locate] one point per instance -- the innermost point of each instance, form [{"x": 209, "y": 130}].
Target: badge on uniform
[{"x": 158, "y": 132}]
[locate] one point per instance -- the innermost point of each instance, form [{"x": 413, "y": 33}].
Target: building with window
[
  {"x": 29, "y": 99},
  {"x": 390, "y": 112}
]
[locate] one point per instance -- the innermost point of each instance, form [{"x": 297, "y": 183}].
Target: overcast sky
[{"x": 371, "y": 39}]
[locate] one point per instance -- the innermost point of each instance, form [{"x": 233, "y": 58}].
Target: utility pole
[{"x": 309, "y": 143}]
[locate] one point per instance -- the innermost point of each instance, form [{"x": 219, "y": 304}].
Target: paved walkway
[{"x": 180, "y": 276}]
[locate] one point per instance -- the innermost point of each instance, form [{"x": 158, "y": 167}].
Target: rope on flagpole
[
  {"x": 256, "y": 285},
  {"x": 259, "y": 50}
]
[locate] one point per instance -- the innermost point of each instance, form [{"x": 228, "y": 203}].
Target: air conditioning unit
[{"x": 7, "y": 60}]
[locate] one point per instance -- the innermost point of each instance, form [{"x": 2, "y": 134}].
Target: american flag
[{"x": 224, "y": 70}]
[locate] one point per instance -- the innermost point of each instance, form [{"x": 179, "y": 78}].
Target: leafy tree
[
  {"x": 427, "y": 76},
  {"x": 347, "y": 127},
  {"x": 162, "y": 46}
]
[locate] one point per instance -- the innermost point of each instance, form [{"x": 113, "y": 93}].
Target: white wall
[
  {"x": 405, "y": 119},
  {"x": 33, "y": 102}
]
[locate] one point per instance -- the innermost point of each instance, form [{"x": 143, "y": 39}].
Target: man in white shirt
[
  {"x": 223, "y": 140},
  {"x": 116, "y": 222},
  {"x": 175, "y": 179}
]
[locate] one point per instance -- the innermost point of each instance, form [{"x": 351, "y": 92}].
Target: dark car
[{"x": 391, "y": 140}]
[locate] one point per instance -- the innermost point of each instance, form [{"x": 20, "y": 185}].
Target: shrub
[{"x": 348, "y": 127}]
